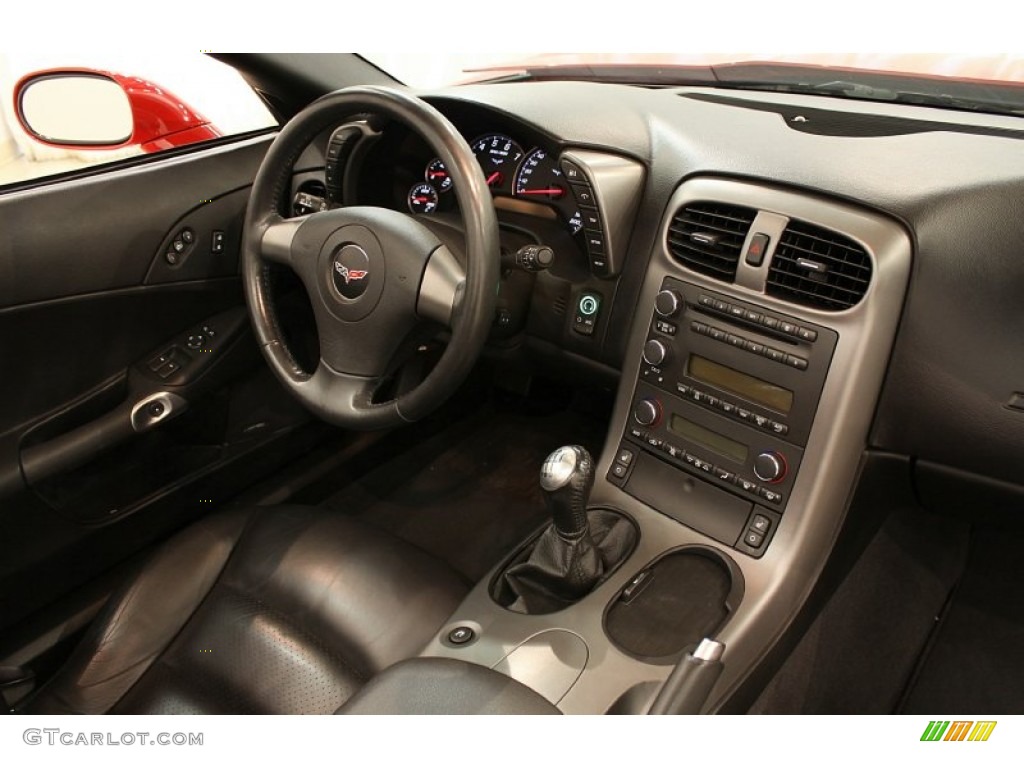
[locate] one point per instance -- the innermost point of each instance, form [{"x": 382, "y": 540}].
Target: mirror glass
[{"x": 76, "y": 109}]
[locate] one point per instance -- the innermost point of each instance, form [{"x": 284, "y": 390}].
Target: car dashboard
[{"x": 778, "y": 287}]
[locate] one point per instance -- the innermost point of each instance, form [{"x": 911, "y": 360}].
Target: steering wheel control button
[
  {"x": 461, "y": 636},
  {"x": 588, "y": 308},
  {"x": 757, "y": 249}
]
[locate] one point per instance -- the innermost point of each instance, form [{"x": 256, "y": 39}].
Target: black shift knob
[{"x": 566, "y": 479}]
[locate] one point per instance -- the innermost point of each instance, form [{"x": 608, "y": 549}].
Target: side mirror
[{"x": 90, "y": 109}]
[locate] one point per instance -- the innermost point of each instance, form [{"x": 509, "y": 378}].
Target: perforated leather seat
[{"x": 271, "y": 610}]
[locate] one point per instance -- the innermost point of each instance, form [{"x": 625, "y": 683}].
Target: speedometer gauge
[
  {"x": 540, "y": 179},
  {"x": 498, "y": 156}
]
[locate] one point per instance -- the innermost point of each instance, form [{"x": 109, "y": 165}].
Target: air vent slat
[
  {"x": 708, "y": 237},
  {"x": 816, "y": 267}
]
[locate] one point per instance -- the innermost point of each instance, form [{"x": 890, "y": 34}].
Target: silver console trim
[{"x": 777, "y": 584}]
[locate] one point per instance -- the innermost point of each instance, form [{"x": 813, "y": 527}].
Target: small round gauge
[
  {"x": 540, "y": 179},
  {"x": 423, "y": 198},
  {"x": 437, "y": 175},
  {"x": 498, "y": 155}
]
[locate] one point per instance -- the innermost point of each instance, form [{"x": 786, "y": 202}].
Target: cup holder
[{"x": 679, "y": 599}]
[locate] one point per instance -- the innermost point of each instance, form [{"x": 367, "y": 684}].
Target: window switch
[{"x": 217, "y": 241}]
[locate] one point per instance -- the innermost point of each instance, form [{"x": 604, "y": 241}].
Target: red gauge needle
[
  {"x": 421, "y": 199},
  {"x": 553, "y": 191},
  {"x": 496, "y": 176},
  {"x": 438, "y": 174}
]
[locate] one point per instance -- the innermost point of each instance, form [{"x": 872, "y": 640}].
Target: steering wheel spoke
[
  {"x": 278, "y": 238},
  {"x": 441, "y": 288}
]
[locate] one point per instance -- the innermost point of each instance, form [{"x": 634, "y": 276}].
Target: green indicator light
[{"x": 588, "y": 305}]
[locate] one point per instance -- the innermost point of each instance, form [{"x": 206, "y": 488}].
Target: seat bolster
[{"x": 141, "y": 620}]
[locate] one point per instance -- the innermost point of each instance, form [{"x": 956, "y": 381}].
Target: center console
[{"x": 756, "y": 356}]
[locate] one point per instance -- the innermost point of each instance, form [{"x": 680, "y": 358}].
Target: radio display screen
[
  {"x": 705, "y": 438},
  {"x": 755, "y": 390}
]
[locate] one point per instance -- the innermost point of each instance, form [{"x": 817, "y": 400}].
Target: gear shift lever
[
  {"x": 573, "y": 554},
  {"x": 566, "y": 479}
]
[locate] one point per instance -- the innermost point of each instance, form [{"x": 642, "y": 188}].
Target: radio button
[
  {"x": 647, "y": 412},
  {"x": 796, "y": 362},
  {"x": 706, "y": 301},
  {"x": 703, "y": 466},
  {"x": 682, "y": 389},
  {"x": 807, "y": 334},
  {"x": 639, "y": 434},
  {"x": 777, "y": 428},
  {"x": 712, "y": 401},
  {"x": 717, "y": 334},
  {"x": 747, "y": 485},
  {"x": 753, "y": 346},
  {"x": 654, "y": 352},
  {"x": 743, "y": 414},
  {"x": 788, "y": 328},
  {"x": 761, "y": 421},
  {"x": 736, "y": 311},
  {"x": 669, "y": 329},
  {"x": 724, "y": 474},
  {"x": 734, "y": 340},
  {"x": 769, "y": 495},
  {"x": 751, "y": 316},
  {"x": 727, "y": 407},
  {"x": 770, "y": 466},
  {"x": 654, "y": 442},
  {"x": 668, "y": 303},
  {"x": 774, "y": 354},
  {"x": 771, "y": 322}
]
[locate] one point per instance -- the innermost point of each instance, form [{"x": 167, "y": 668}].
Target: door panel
[{"x": 93, "y": 290}]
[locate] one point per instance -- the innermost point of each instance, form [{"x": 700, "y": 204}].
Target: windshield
[{"x": 984, "y": 83}]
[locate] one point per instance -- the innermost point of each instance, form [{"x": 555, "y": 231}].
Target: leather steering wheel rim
[{"x": 340, "y": 397}]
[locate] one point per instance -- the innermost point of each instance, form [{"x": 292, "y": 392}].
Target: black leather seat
[{"x": 271, "y": 610}]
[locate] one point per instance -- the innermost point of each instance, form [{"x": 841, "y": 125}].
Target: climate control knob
[
  {"x": 654, "y": 352},
  {"x": 770, "y": 466},
  {"x": 647, "y": 412},
  {"x": 668, "y": 303}
]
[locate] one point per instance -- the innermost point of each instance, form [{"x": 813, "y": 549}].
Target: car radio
[{"x": 727, "y": 392}]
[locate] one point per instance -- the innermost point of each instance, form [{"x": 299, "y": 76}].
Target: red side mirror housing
[{"x": 57, "y": 107}]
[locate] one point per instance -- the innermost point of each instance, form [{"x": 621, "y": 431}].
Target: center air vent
[
  {"x": 708, "y": 237},
  {"x": 818, "y": 268}
]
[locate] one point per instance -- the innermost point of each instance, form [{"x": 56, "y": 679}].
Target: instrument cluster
[{"x": 510, "y": 171}]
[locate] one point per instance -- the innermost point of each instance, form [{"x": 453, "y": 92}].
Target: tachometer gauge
[
  {"x": 423, "y": 199},
  {"x": 540, "y": 179},
  {"x": 437, "y": 175},
  {"x": 498, "y": 155}
]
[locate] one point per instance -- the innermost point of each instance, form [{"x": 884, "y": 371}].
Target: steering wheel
[{"x": 374, "y": 276}]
